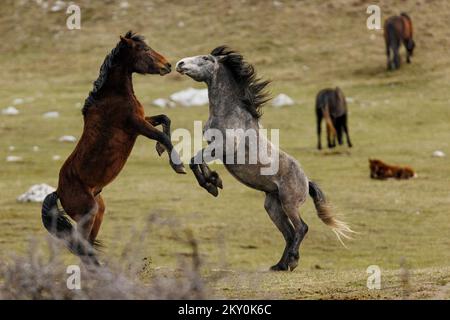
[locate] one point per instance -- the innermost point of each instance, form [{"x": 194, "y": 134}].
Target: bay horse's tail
[
  {"x": 340, "y": 228},
  {"x": 57, "y": 223}
]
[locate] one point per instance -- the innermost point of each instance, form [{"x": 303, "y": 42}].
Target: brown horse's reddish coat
[
  {"x": 381, "y": 170},
  {"x": 112, "y": 122}
]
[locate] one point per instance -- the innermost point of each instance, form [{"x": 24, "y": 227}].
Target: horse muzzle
[{"x": 167, "y": 68}]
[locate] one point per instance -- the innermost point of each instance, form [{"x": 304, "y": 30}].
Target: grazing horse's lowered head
[
  {"x": 236, "y": 97},
  {"x": 397, "y": 30}
]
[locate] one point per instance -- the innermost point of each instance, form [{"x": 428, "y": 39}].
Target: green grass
[{"x": 399, "y": 117}]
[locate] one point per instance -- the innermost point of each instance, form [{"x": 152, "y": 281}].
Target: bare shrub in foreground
[{"x": 41, "y": 275}]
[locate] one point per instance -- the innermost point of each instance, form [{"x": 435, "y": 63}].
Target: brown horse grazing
[
  {"x": 398, "y": 29},
  {"x": 331, "y": 105},
  {"x": 381, "y": 170},
  {"x": 113, "y": 119}
]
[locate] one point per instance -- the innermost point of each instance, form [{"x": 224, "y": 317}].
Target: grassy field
[{"x": 302, "y": 46}]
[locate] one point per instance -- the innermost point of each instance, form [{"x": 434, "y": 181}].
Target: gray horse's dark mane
[
  {"x": 109, "y": 61},
  {"x": 254, "y": 95}
]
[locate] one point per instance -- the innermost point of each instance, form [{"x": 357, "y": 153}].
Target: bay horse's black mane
[
  {"x": 109, "y": 61},
  {"x": 244, "y": 73}
]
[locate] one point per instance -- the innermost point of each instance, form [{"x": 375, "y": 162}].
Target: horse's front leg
[
  {"x": 206, "y": 178},
  {"x": 157, "y": 120},
  {"x": 146, "y": 129},
  {"x": 211, "y": 176}
]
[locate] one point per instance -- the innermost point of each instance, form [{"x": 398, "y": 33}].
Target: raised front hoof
[
  {"x": 216, "y": 180},
  {"x": 159, "y": 148},
  {"x": 279, "y": 267},
  {"x": 178, "y": 168},
  {"x": 212, "y": 189},
  {"x": 350, "y": 145}
]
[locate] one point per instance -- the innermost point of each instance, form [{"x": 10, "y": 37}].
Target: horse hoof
[
  {"x": 212, "y": 189},
  {"x": 279, "y": 267},
  {"x": 215, "y": 179},
  {"x": 293, "y": 261},
  {"x": 293, "y": 265},
  {"x": 179, "y": 168},
  {"x": 159, "y": 148}
]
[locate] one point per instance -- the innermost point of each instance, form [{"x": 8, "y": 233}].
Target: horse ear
[
  {"x": 221, "y": 58},
  {"x": 128, "y": 42}
]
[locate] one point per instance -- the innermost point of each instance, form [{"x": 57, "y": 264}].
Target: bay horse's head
[{"x": 141, "y": 57}]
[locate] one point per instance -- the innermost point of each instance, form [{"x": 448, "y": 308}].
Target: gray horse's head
[{"x": 200, "y": 68}]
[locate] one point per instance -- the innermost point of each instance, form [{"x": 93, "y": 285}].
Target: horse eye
[{"x": 206, "y": 58}]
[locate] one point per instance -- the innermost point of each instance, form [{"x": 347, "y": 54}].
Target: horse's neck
[
  {"x": 119, "y": 80},
  {"x": 225, "y": 100}
]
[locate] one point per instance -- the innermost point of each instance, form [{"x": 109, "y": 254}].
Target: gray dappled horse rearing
[{"x": 235, "y": 99}]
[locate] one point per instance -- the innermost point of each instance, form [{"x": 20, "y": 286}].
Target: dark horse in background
[
  {"x": 331, "y": 105},
  {"x": 398, "y": 29},
  {"x": 113, "y": 119}
]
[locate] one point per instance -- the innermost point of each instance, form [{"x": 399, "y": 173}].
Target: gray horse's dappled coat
[{"x": 236, "y": 96}]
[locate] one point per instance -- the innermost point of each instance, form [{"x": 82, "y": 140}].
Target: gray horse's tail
[
  {"x": 57, "y": 223},
  {"x": 340, "y": 228}
]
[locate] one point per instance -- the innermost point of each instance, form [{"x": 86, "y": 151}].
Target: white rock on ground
[
  {"x": 439, "y": 154},
  {"x": 10, "y": 111},
  {"x": 14, "y": 159},
  {"x": 163, "y": 103},
  {"x": 67, "y": 139},
  {"x": 124, "y": 5},
  {"x": 58, "y": 6},
  {"x": 56, "y": 157},
  {"x": 191, "y": 97},
  {"x": 36, "y": 193},
  {"x": 51, "y": 115},
  {"x": 18, "y": 101},
  {"x": 349, "y": 99},
  {"x": 35, "y": 148},
  {"x": 282, "y": 100}
]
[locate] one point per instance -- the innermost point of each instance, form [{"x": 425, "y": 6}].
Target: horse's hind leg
[
  {"x": 349, "y": 143},
  {"x": 408, "y": 55},
  {"x": 319, "y": 132},
  {"x": 396, "y": 55},
  {"x": 388, "y": 55},
  {"x": 274, "y": 209},
  {"x": 98, "y": 221},
  {"x": 290, "y": 201},
  {"x": 82, "y": 208}
]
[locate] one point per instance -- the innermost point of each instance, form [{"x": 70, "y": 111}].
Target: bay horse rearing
[
  {"x": 236, "y": 96},
  {"x": 113, "y": 119},
  {"x": 398, "y": 29}
]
